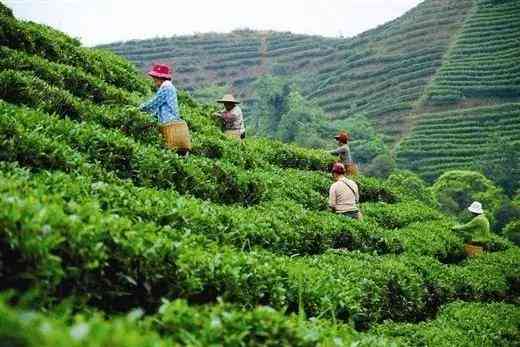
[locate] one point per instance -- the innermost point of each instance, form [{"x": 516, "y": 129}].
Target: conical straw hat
[{"x": 228, "y": 98}]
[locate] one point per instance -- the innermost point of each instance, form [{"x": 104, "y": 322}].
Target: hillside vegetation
[
  {"x": 109, "y": 238},
  {"x": 436, "y": 81}
]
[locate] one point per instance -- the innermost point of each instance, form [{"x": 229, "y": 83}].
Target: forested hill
[{"x": 442, "y": 80}]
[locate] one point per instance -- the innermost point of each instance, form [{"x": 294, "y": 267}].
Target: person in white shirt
[
  {"x": 234, "y": 126},
  {"x": 344, "y": 194}
]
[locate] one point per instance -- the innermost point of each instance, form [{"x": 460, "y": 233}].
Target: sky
[{"x": 104, "y": 21}]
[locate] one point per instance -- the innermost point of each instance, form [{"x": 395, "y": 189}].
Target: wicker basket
[
  {"x": 176, "y": 134},
  {"x": 473, "y": 251},
  {"x": 233, "y": 134},
  {"x": 351, "y": 169}
]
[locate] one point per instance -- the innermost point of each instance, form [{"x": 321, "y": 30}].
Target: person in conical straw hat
[
  {"x": 477, "y": 232},
  {"x": 165, "y": 108},
  {"x": 234, "y": 126}
]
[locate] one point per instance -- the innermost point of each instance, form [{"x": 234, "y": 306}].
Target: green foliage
[
  {"x": 500, "y": 162},
  {"x": 29, "y": 328},
  {"x": 399, "y": 215},
  {"x": 487, "y": 36},
  {"x": 411, "y": 186},
  {"x": 512, "y": 232},
  {"x": 229, "y": 243},
  {"x": 5, "y": 11},
  {"x": 227, "y": 326},
  {"x": 176, "y": 324},
  {"x": 382, "y": 166},
  {"x": 56, "y": 47},
  {"x": 461, "y": 324},
  {"x": 210, "y": 94},
  {"x": 462, "y": 139}
]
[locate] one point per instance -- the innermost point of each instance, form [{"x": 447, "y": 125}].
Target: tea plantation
[
  {"x": 109, "y": 239},
  {"x": 440, "y": 82}
]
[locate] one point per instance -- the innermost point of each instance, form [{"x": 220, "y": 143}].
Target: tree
[{"x": 272, "y": 94}]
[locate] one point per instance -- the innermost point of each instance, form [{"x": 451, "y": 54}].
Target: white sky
[{"x": 104, "y": 21}]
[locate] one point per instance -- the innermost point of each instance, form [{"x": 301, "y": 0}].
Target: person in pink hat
[
  {"x": 163, "y": 105},
  {"x": 165, "y": 108}
]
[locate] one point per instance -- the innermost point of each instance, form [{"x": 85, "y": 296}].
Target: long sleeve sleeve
[
  {"x": 337, "y": 151},
  {"x": 164, "y": 104},
  {"x": 467, "y": 230},
  {"x": 154, "y": 103}
]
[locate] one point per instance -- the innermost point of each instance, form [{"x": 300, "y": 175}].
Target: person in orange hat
[
  {"x": 343, "y": 151},
  {"x": 233, "y": 118}
]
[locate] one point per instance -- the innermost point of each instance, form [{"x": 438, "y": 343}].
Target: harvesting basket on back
[
  {"x": 233, "y": 134},
  {"x": 177, "y": 135},
  {"x": 351, "y": 169},
  {"x": 473, "y": 251}
]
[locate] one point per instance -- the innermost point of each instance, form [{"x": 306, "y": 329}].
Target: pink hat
[
  {"x": 161, "y": 71},
  {"x": 338, "y": 168}
]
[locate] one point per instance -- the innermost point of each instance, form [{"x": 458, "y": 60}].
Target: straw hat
[
  {"x": 228, "y": 98},
  {"x": 476, "y": 207}
]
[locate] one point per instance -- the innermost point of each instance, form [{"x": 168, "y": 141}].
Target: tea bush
[{"x": 461, "y": 324}]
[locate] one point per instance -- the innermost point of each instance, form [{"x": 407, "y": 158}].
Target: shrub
[
  {"x": 461, "y": 324},
  {"x": 411, "y": 186},
  {"x": 512, "y": 232}
]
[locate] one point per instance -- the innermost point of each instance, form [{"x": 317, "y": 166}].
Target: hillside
[
  {"x": 442, "y": 56},
  {"x": 474, "y": 98},
  {"x": 381, "y": 72},
  {"x": 109, "y": 239}
]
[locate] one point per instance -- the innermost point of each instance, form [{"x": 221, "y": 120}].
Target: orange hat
[{"x": 342, "y": 137}]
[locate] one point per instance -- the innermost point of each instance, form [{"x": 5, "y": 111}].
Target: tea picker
[
  {"x": 232, "y": 117},
  {"x": 164, "y": 106},
  {"x": 344, "y": 194},
  {"x": 345, "y": 156},
  {"x": 476, "y": 233}
]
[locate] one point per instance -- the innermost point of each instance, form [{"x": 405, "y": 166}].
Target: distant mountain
[{"x": 454, "y": 56}]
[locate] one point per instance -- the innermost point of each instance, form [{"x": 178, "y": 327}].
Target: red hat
[
  {"x": 161, "y": 71},
  {"x": 338, "y": 168},
  {"x": 342, "y": 137}
]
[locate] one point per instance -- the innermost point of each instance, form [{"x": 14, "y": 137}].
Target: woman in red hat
[
  {"x": 165, "y": 108},
  {"x": 164, "y": 104},
  {"x": 343, "y": 151},
  {"x": 344, "y": 194}
]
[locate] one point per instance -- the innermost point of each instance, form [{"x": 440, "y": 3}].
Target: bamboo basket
[
  {"x": 473, "y": 251},
  {"x": 233, "y": 134},
  {"x": 177, "y": 135},
  {"x": 351, "y": 169}
]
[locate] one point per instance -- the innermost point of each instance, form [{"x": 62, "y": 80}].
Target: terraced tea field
[{"x": 442, "y": 56}]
